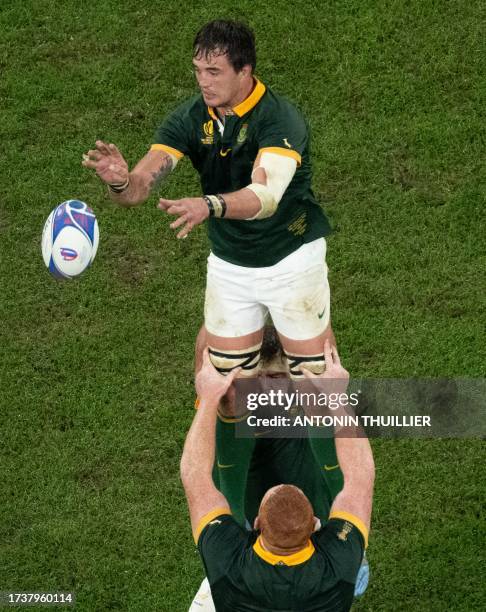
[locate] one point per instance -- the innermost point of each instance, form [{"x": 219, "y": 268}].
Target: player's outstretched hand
[
  {"x": 210, "y": 384},
  {"x": 190, "y": 212},
  {"x": 108, "y": 162}
]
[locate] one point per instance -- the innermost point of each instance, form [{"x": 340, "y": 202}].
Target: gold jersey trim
[
  {"x": 282, "y": 151},
  {"x": 167, "y": 149},
  {"x": 351, "y": 518},
  {"x": 301, "y": 556},
  {"x": 207, "y": 518}
]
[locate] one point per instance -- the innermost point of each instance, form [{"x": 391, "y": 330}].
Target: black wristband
[
  {"x": 120, "y": 187},
  {"x": 210, "y": 205}
]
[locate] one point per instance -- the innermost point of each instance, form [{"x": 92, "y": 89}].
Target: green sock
[
  {"x": 324, "y": 450},
  {"x": 233, "y": 457}
]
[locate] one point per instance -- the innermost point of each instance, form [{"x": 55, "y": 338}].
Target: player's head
[
  {"x": 285, "y": 519},
  {"x": 224, "y": 59},
  {"x": 273, "y": 362}
]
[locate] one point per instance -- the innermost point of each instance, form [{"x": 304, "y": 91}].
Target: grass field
[{"x": 96, "y": 375}]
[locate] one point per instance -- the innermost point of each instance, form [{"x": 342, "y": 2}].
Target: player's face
[
  {"x": 219, "y": 83},
  {"x": 276, "y": 368}
]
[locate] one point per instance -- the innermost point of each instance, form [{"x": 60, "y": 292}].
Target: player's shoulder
[
  {"x": 342, "y": 542},
  {"x": 276, "y": 105},
  {"x": 218, "y": 526},
  {"x": 342, "y": 527}
]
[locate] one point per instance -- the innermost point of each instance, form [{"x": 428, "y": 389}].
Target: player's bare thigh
[{"x": 314, "y": 346}]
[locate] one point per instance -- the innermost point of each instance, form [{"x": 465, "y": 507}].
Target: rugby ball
[{"x": 70, "y": 239}]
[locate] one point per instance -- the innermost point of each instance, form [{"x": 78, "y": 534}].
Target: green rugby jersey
[
  {"x": 262, "y": 122},
  {"x": 245, "y": 577}
]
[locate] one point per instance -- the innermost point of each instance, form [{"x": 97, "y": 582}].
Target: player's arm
[
  {"x": 272, "y": 174},
  {"x": 124, "y": 187},
  {"x": 354, "y": 455},
  {"x": 357, "y": 465},
  {"x": 198, "y": 455}
]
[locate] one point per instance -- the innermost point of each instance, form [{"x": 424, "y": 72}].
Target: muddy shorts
[{"x": 294, "y": 291}]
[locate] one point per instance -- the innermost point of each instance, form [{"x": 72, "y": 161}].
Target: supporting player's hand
[
  {"x": 108, "y": 162},
  {"x": 210, "y": 384},
  {"x": 334, "y": 370},
  {"x": 191, "y": 212}
]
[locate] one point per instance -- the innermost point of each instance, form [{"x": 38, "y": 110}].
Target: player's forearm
[
  {"x": 137, "y": 191},
  {"x": 242, "y": 204},
  {"x": 144, "y": 178},
  {"x": 199, "y": 449},
  {"x": 357, "y": 465}
]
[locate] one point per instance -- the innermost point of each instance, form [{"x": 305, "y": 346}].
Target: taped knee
[
  {"x": 314, "y": 363},
  {"x": 246, "y": 359}
]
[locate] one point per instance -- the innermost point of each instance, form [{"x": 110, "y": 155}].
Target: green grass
[{"x": 96, "y": 391}]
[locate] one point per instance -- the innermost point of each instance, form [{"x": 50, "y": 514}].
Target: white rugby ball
[{"x": 70, "y": 239}]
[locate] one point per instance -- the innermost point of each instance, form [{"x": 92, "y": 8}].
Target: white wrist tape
[{"x": 279, "y": 171}]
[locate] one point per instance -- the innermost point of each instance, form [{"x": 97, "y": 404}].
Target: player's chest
[{"x": 218, "y": 144}]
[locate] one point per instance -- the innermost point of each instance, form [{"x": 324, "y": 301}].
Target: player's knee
[
  {"x": 246, "y": 359},
  {"x": 314, "y": 363}
]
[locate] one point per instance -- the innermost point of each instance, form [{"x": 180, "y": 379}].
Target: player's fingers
[
  {"x": 94, "y": 154},
  {"x": 165, "y": 204},
  {"x": 206, "y": 358},
  {"x": 114, "y": 150},
  {"x": 307, "y": 373},
  {"x": 88, "y": 163},
  {"x": 102, "y": 147},
  {"x": 335, "y": 355},
  {"x": 178, "y": 222},
  {"x": 187, "y": 228},
  {"x": 232, "y": 375},
  {"x": 328, "y": 354}
]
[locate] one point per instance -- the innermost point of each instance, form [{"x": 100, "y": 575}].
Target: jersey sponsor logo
[
  {"x": 287, "y": 143},
  {"x": 208, "y": 131},
  {"x": 346, "y": 530},
  {"x": 242, "y": 134},
  {"x": 298, "y": 226},
  {"x": 224, "y": 153}
]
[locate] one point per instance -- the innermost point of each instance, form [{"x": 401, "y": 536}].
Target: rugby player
[
  {"x": 246, "y": 464},
  {"x": 250, "y": 147},
  {"x": 287, "y": 566}
]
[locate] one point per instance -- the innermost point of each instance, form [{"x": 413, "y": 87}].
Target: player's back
[{"x": 245, "y": 577}]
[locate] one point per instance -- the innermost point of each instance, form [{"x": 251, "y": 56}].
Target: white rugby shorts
[
  {"x": 295, "y": 291},
  {"x": 203, "y": 602}
]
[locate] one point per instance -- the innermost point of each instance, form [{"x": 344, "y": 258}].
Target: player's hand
[
  {"x": 334, "y": 370},
  {"x": 108, "y": 162},
  {"x": 210, "y": 384},
  {"x": 190, "y": 212}
]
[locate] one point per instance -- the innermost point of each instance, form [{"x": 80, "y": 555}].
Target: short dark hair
[
  {"x": 271, "y": 346},
  {"x": 227, "y": 37}
]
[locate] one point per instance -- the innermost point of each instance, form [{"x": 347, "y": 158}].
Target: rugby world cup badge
[{"x": 208, "y": 131}]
